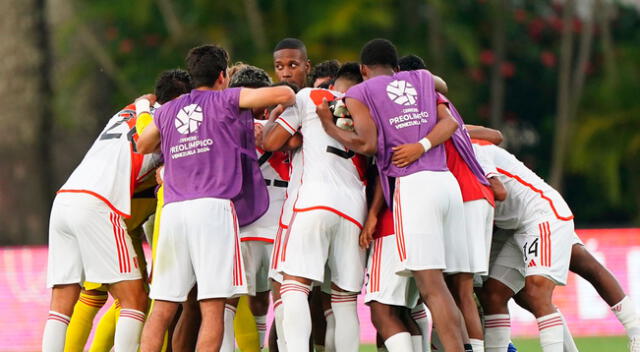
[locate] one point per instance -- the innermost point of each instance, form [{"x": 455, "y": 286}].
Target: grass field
[{"x": 585, "y": 344}]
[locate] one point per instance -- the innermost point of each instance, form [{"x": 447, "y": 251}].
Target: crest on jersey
[
  {"x": 189, "y": 119},
  {"x": 402, "y": 92}
]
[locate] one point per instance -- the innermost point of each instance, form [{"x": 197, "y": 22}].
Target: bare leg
[
  {"x": 446, "y": 317},
  {"x": 590, "y": 269},
  {"x": 212, "y": 326},
  {"x": 185, "y": 335},
  {"x": 156, "y": 325},
  {"x": 461, "y": 287}
]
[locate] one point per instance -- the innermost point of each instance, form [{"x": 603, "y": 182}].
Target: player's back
[
  {"x": 111, "y": 167},
  {"x": 332, "y": 176},
  {"x": 529, "y": 197}
]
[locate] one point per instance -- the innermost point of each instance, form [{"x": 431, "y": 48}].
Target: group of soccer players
[{"x": 366, "y": 177}]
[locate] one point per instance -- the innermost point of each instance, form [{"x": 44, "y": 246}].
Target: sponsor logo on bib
[
  {"x": 402, "y": 92},
  {"x": 189, "y": 119}
]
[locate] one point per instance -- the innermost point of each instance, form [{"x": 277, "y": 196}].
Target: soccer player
[
  {"x": 257, "y": 238},
  {"x": 328, "y": 212},
  {"x": 208, "y": 146},
  {"x": 392, "y": 112},
  {"x": 88, "y": 237},
  {"x": 471, "y": 256},
  {"x": 535, "y": 259},
  {"x": 323, "y": 74}
]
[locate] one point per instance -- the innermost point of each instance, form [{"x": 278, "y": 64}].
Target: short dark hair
[
  {"x": 205, "y": 63},
  {"x": 379, "y": 52},
  {"x": 170, "y": 84},
  {"x": 294, "y": 87},
  {"x": 411, "y": 63},
  {"x": 327, "y": 68},
  {"x": 350, "y": 71},
  {"x": 250, "y": 77},
  {"x": 291, "y": 43}
]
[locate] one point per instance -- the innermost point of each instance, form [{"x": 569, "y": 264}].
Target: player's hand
[
  {"x": 322, "y": 109},
  {"x": 160, "y": 175},
  {"x": 150, "y": 97},
  {"x": 366, "y": 235},
  {"x": 404, "y": 155},
  {"x": 275, "y": 112}
]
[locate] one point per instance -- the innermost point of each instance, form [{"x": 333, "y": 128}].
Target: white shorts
[
  {"x": 257, "y": 257},
  {"x": 478, "y": 218},
  {"x": 317, "y": 238},
  {"x": 266, "y": 226},
  {"x": 198, "y": 243},
  {"x": 276, "y": 252},
  {"x": 382, "y": 283},
  {"x": 544, "y": 250},
  {"x": 88, "y": 242},
  {"x": 429, "y": 226}
]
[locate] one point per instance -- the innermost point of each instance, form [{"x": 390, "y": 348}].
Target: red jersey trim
[
  {"x": 322, "y": 207},
  {"x": 481, "y": 142},
  {"x": 542, "y": 195},
  {"x": 263, "y": 239},
  {"x": 97, "y": 196},
  {"x": 291, "y": 129}
]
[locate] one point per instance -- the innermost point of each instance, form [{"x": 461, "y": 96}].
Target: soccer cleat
[
  {"x": 512, "y": 348},
  {"x": 634, "y": 344}
]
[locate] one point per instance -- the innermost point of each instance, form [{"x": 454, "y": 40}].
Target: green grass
[{"x": 585, "y": 344}]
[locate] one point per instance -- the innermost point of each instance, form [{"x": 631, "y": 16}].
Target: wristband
[{"x": 426, "y": 144}]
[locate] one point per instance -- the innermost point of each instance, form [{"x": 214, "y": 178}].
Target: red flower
[
  {"x": 508, "y": 69},
  {"x": 520, "y": 15},
  {"x": 152, "y": 40},
  {"x": 535, "y": 28},
  {"x": 476, "y": 74},
  {"x": 112, "y": 33},
  {"x": 126, "y": 46},
  {"x": 487, "y": 57},
  {"x": 548, "y": 59}
]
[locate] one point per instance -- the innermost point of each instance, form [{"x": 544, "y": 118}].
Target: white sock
[
  {"x": 229, "y": 336},
  {"x": 128, "y": 330},
  {"x": 477, "y": 345},
  {"x": 347, "y": 330},
  {"x": 416, "y": 341},
  {"x": 279, "y": 314},
  {"x": 497, "y": 332},
  {"x": 261, "y": 324},
  {"x": 330, "y": 336},
  {"x": 625, "y": 311},
  {"x": 422, "y": 317},
  {"x": 551, "y": 332},
  {"x": 55, "y": 332},
  {"x": 400, "y": 342},
  {"x": 567, "y": 338},
  {"x": 297, "y": 316}
]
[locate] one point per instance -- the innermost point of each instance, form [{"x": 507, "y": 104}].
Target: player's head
[
  {"x": 290, "y": 61},
  {"x": 323, "y": 73},
  {"x": 207, "y": 65},
  {"x": 348, "y": 75},
  {"x": 235, "y": 68},
  {"x": 250, "y": 77},
  {"x": 411, "y": 63},
  {"x": 171, "y": 84},
  {"x": 378, "y": 56}
]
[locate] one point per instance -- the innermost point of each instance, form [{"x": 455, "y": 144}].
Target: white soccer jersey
[
  {"x": 111, "y": 168},
  {"x": 331, "y": 176},
  {"x": 529, "y": 198}
]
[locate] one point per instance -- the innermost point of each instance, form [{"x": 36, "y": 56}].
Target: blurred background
[{"x": 560, "y": 79}]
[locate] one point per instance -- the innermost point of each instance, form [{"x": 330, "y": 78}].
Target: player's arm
[
  {"x": 485, "y": 133},
  {"x": 405, "y": 154},
  {"x": 268, "y": 96},
  {"x": 377, "y": 204},
  {"x": 274, "y": 135},
  {"x": 441, "y": 85},
  {"x": 364, "y": 137},
  {"x": 149, "y": 141},
  {"x": 491, "y": 172}
]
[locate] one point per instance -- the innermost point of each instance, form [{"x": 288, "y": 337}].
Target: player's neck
[
  {"x": 216, "y": 86},
  {"x": 380, "y": 71}
]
